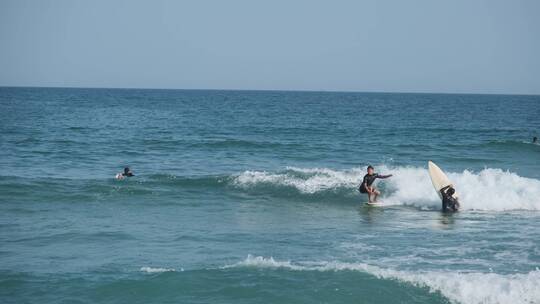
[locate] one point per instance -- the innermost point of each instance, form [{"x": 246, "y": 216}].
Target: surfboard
[
  {"x": 438, "y": 178},
  {"x": 377, "y": 204}
]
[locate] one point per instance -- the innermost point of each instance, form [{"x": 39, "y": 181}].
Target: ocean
[{"x": 251, "y": 197}]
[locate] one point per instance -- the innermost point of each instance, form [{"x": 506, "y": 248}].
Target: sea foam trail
[
  {"x": 467, "y": 288},
  {"x": 489, "y": 189},
  {"x": 157, "y": 270}
]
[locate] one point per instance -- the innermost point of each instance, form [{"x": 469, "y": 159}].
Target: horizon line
[{"x": 262, "y": 90}]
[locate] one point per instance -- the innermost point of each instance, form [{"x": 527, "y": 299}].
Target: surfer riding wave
[{"x": 367, "y": 182}]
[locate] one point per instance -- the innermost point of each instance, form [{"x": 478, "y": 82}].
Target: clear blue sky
[{"x": 404, "y": 46}]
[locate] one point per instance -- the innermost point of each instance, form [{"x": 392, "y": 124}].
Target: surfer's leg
[
  {"x": 375, "y": 194},
  {"x": 371, "y": 194},
  {"x": 444, "y": 205}
]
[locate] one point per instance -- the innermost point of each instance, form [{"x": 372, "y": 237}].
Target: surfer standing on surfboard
[{"x": 367, "y": 182}]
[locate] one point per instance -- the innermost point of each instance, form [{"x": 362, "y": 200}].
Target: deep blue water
[{"x": 250, "y": 197}]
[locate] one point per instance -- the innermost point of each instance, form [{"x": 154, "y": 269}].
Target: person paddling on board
[
  {"x": 127, "y": 173},
  {"x": 449, "y": 202},
  {"x": 367, "y": 182}
]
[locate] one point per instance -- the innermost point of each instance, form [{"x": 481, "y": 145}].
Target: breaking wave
[
  {"x": 489, "y": 189},
  {"x": 486, "y": 190},
  {"x": 467, "y": 288},
  {"x": 308, "y": 181}
]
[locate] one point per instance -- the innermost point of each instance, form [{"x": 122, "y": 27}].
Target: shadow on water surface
[
  {"x": 370, "y": 214},
  {"x": 445, "y": 220}
]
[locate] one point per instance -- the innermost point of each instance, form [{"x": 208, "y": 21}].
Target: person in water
[
  {"x": 367, "y": 184},
  {"x": 535, "y": 140},
  {"x": 449, "y": 202},
  {"x": 127, "y": 173}
]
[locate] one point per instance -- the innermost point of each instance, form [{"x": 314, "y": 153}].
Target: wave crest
[
  {"x": 307, "y": 181},
  {"x": 489, "y": 189},
  {"x": 468, "y": 288}
]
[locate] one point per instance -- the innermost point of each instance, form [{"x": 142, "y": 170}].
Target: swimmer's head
[{"x": 126, "y": 170}]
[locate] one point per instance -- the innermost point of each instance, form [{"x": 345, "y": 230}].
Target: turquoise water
[{"x": 250, "y": 197}]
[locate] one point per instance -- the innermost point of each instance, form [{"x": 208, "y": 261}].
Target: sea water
[{"x": 251, "y": 197}]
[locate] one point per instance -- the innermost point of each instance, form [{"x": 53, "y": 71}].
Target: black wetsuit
[
  {"x": 368, "y": 181},
  {"x": 449, "y": 203}
]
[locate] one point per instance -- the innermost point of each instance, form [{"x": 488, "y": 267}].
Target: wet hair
[
  {"x": 451, "y": 191},
  {"x": 126, "y": 170}
]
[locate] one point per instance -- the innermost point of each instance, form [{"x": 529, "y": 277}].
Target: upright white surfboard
[{"x": 438, "y": 178}]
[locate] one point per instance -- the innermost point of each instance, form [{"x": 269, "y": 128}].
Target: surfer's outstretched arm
[{"x": 384, "y": 176}]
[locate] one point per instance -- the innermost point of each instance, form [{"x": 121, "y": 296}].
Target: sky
[{"x": 454, "y": 46}]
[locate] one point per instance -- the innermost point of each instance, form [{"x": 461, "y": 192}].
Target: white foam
[
  {"x": 489, "y": 189},
  {"x": 304, "y": 180},
  {"x": 467, "y": 288},
  {"x": 157, "y": 270}
]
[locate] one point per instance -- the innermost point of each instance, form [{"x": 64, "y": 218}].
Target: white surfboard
[
  {"x": 438, "y": 178},
  {"x": 377, "y": 204}
]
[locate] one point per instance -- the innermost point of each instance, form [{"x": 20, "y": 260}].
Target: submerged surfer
[
  {"x": 366, "y": 186},
  {"x": 127, "y": 173},
  {"x": 449, "y": 202}
]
